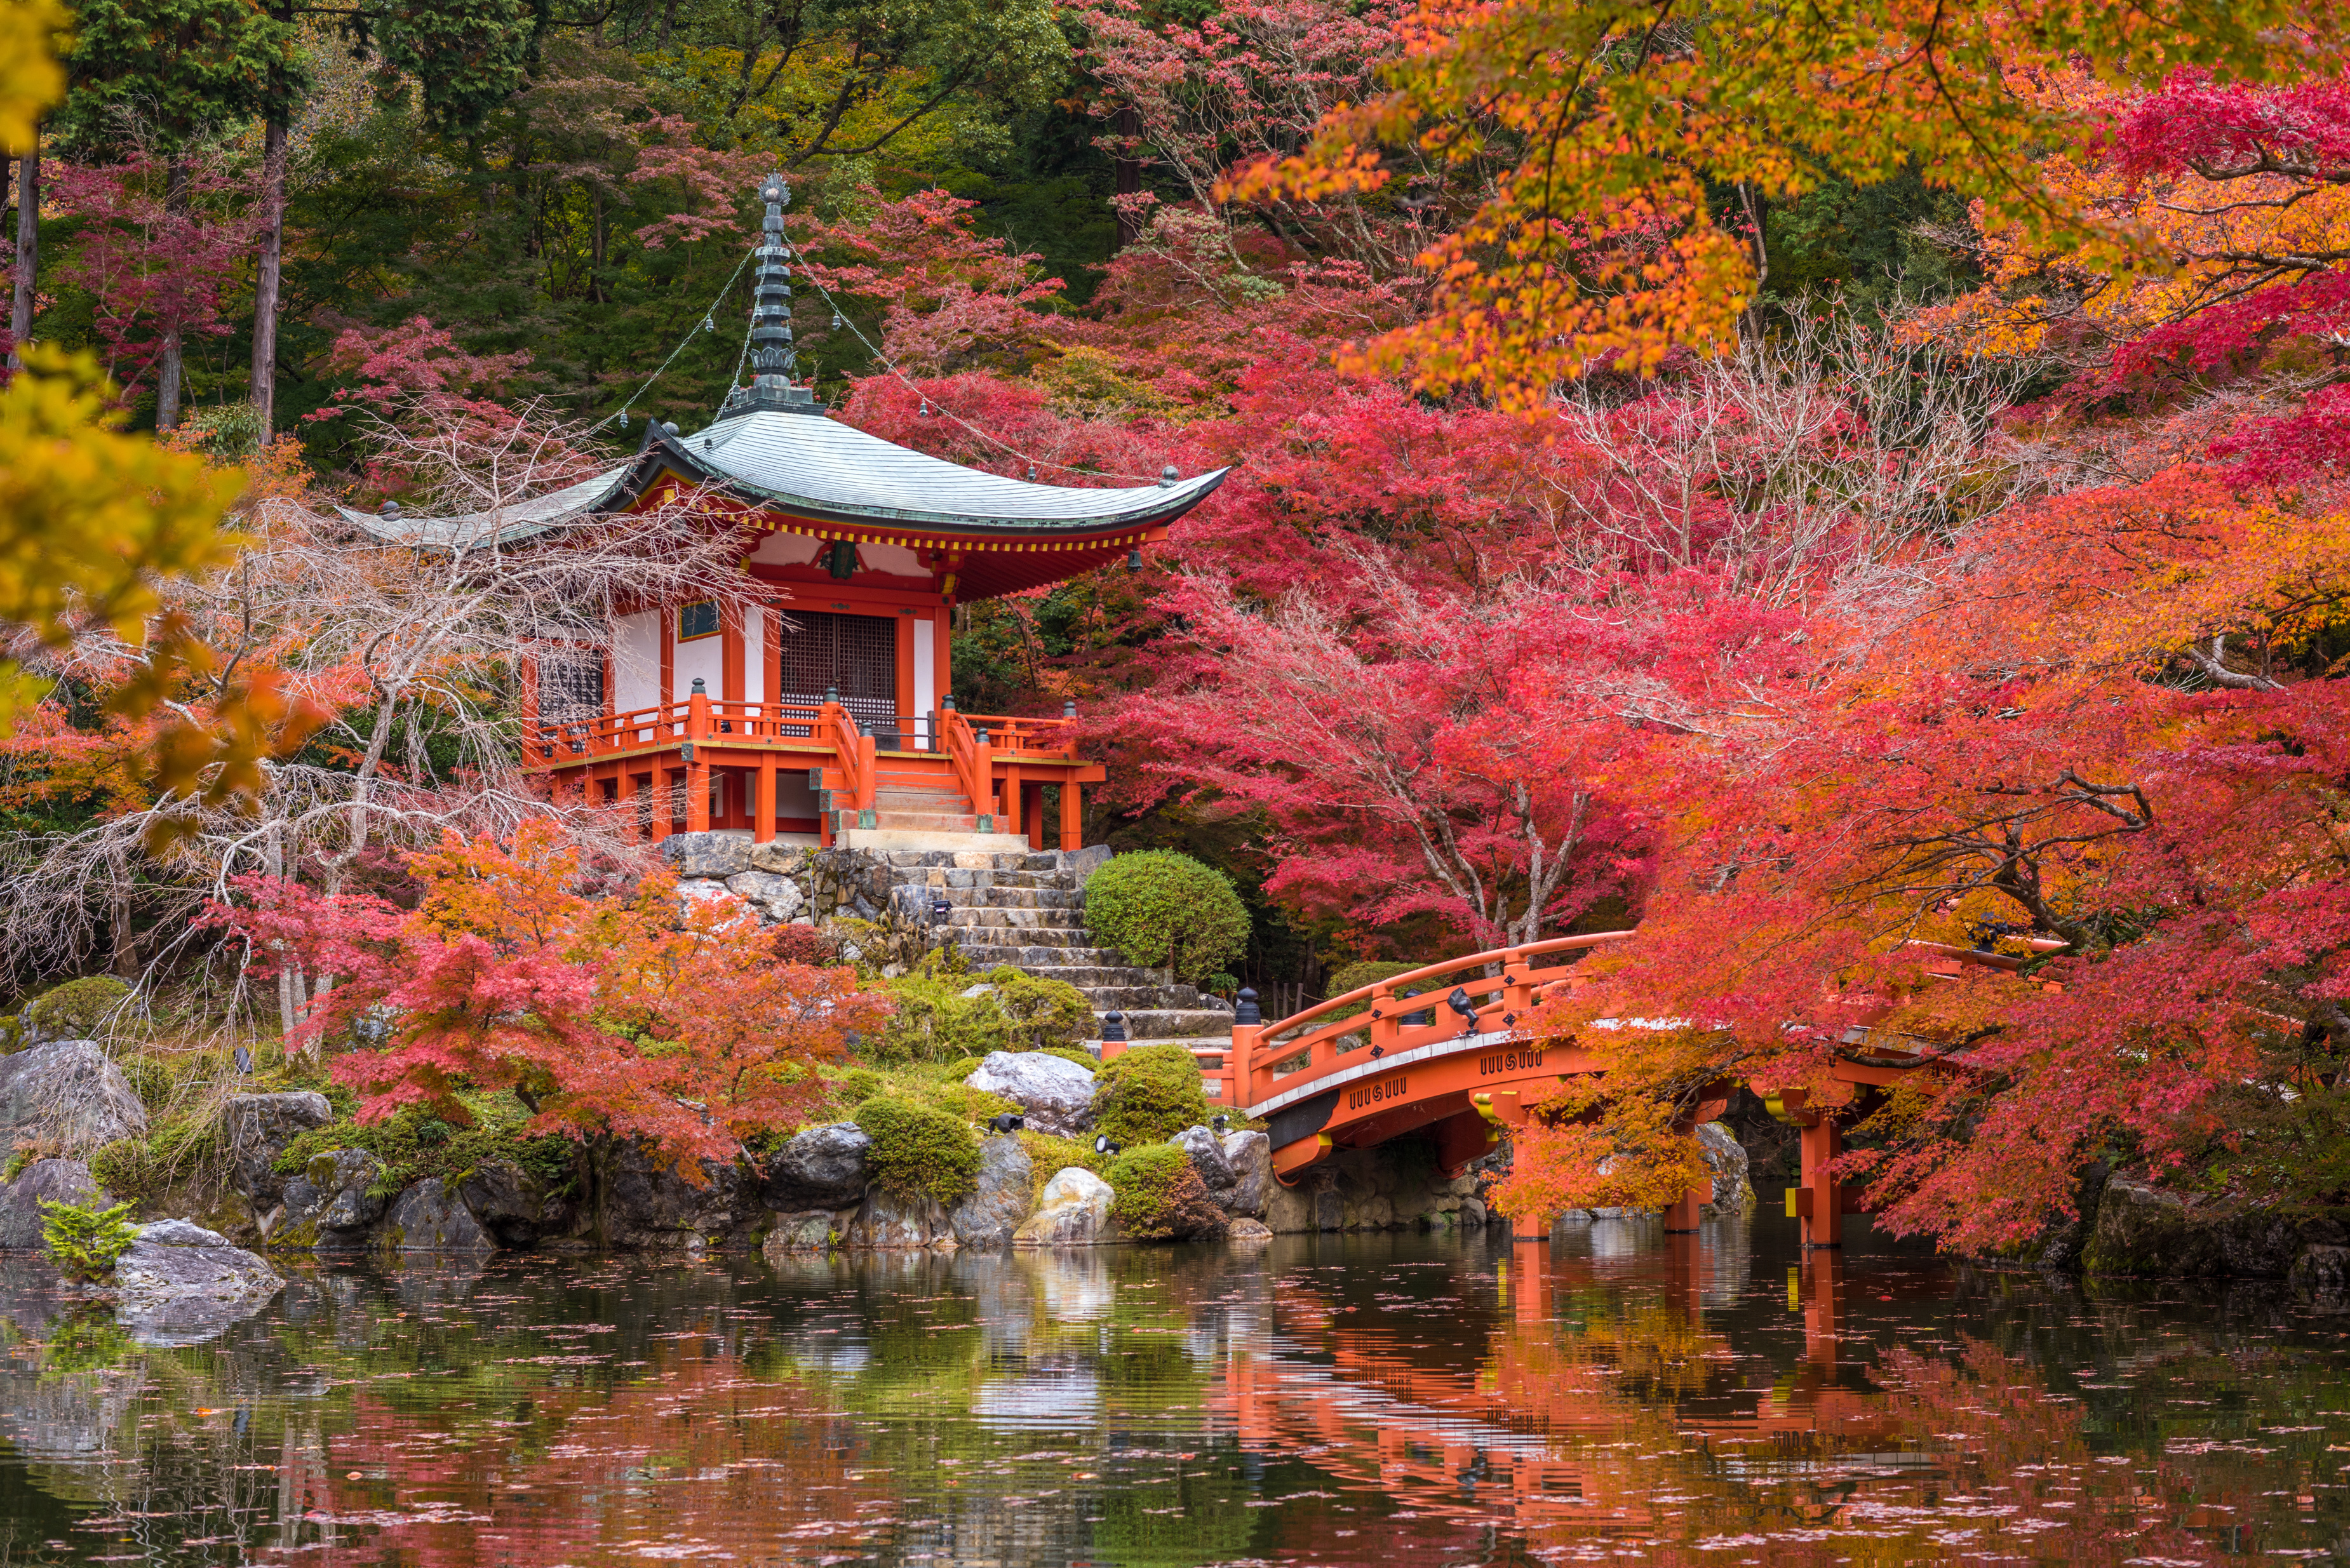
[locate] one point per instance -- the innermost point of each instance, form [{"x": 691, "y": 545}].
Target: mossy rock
[
  {"x": 919, "y": 1149},
  {"x": 77, "y": 1009},
  {"x": 1159, "y": 1195},
  {"x": 1150, "y": 1093}
]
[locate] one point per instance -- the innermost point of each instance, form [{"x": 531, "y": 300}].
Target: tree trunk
[
  {"x": 1128, "y": 171},
  {"x": 29, "y": 251},
  {"x": 267, "y": 277},
  {"x": 167, "y": 378}
]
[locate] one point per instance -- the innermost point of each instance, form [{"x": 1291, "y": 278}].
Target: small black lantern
[
  {"x": 1134, "y": 560},
  {"x": 1113, "y": 1027}
]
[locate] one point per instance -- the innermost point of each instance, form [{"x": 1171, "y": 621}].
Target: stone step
[
  {"x": 1209, "y": 1051},
  {"x": 1098, "y": 966},
  {"x": 989, "y": 917},
  {"x": 1017, "y": 857},
  {"x": 953, "y": 879},
  {"x": 1013, "y": 898},
  {"x": 1132, "y": 997},
  {"x": 1066, "y": 943},
  {"x": 1185, "y": 1023},
  {"x": 896, "y": 797},
  {"x": 889, "y": 820}
]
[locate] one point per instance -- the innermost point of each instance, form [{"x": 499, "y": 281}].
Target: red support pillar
[
  {"x": 1032, "y": 812},
  {"x": 1815, "y": 1200},
  {"x": 1073, "y": 817},
  {"x": 697, "y": 771},
  {"x": 664, "y": 805},
  {"x": 627, "y": 799},
  {"x": 763, "y": 815}
]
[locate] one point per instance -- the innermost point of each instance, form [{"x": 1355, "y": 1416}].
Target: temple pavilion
[{"x": 828, "y": 719}]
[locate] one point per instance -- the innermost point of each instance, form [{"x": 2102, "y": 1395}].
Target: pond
[{"x": 1371, "y": 1399}]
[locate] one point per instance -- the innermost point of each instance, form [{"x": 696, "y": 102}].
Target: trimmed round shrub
[
  {"x": 1164, "y": 911},
  {"x": 75, "y": 1010},
  {"x": 1040, "y": 1014},
  {"x": 1160, "y": 1196},
  {"x": 1149, "y": 1095},
  {"x": 856, "y": 1086},
  {"x": 917, "y": 1150}
]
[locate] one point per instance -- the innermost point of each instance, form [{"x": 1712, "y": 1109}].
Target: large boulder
[
  {"x": 429, "y": 1217},
  {"x": 719, "y": 855},
  {"x": 1725, "y": 1161},
  {"x": 1250, "y": 1156},
  {"x": 779, "y": 896},
  {"x": 180, "y": 1284},
  {"x": 1206, "y": 1152},
  {"x": 44, "y": 1180},
  {"x": 650, "y": 1204},
  {"x": 329, "y": 1202},
  {"x": 812, "y": 1232},
  {"x": 2142, "y": 1228},
  {"x": 996, "y": 1206},
  {"x": 515, "y": 1207},
  {"x": 67, "y": 1094},
  {"x": 822, "y": 1168},
  {"x": 1072, "y": 1211},
  {"x": 257, "y": 1128},
  {"x": 891, "y": 1221},
  {"x": 1055, "y": 1094}
]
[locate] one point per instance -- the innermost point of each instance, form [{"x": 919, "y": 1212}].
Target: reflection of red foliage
[{"x": 692, "y": 1457}]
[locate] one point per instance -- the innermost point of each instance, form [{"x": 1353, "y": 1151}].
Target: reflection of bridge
[
  {"x": 1447, "y": 1049},
  {"x": 1545, "y": 1433}
]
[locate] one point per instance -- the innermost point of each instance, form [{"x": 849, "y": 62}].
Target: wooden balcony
[{"x": 777, "y": 768}]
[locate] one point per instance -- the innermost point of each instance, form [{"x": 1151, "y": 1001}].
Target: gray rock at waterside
[
  {"x": 2323, "y": 1271},
  {"x": 822, "y": 1168},
  {"x": 180, "y": 1283},
  {"x": 44, "y": 1180},
  {"x": 2142, "y": 1228},
  {"x": 1250, "y": 1154},
  {"x": 996, "y": 1206},
  {"x": 718, "y": 853},
  {"x": 429, "y": 1217},
  {"x": 515, "y": 1206},
  {"x": 329, "y": 1202},
  {"x": 67, "y": 1094},
  {"x": 1072, "y": 1211},
  {"x": 1245, "y": 1229},
  {"x": 778, "y": 896},
  {"x": 1207, "y": 1156},
  {"x": 2058, "y": 1247},
  {"x": 810, "y": 1232},
  {"x": 893, "y": 1222},
  {"x": 649, "y": 1205},
  {"x": 258, "y": 1128},
  {"x": 1725, "y": 1159},
  {"x": 1055, "y": 1094}
]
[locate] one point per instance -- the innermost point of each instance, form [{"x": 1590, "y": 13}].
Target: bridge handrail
[
  {"x": 1437, "y": 970},
  {"x": 1256, "y": 1048}
]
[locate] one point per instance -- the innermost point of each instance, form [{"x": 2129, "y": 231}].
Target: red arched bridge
[{"x": 1445, "y": 1049}]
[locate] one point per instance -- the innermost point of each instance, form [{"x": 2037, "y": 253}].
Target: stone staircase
[{"x": 1026, "y": 908}]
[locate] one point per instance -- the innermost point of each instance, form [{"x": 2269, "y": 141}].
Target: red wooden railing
[{"x": 1267, "y": 1059}]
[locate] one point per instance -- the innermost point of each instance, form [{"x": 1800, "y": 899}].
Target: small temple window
[{"x": 697, "y": 619}]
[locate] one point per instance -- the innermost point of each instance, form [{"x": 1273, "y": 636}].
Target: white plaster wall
[
  {"x": 636, "y": 661},
  {"x": 786, "y": 550},
  {"x": 926, "y": 678},
  {"x": 705, "y": 657},
  {"x": 892, "y": 560},
  {"x": 755, "y": 653}
]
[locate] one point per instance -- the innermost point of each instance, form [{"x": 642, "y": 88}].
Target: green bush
[
  {"x": 1149, "y": 1095},
  {"x": 413, "y": 1146},
  {"x": 934, "y": 1022},
  {"x": 1164, "y": 911},
  {"x": 1159, "y": 1195},
  {"x": 85, "y": 1242},
  {"x": 77, "y": 1010},
  {"x": 1041, "y": 1014},
  {"x": 918, "y": 1149},
  {"x": 856, "y": 1086}
]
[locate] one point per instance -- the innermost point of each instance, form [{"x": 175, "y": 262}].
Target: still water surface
[{"x": 1626, "y": 1397}]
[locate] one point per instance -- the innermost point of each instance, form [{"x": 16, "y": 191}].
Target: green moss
[
  {"x": 412, "y": 1147},
  {"x": 1167, "y": 910},
  {"x": 1159, "y": 1195},
  {"x": 1149, "y": 1095},
  {"x": 75, "y": 1010},
  {"x": 919, "y": 1149},
  {"x": 1040, "y": 1014},
  {"x": 856, "y": 1086},
  {"x": 1049, "y": 1155}
]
